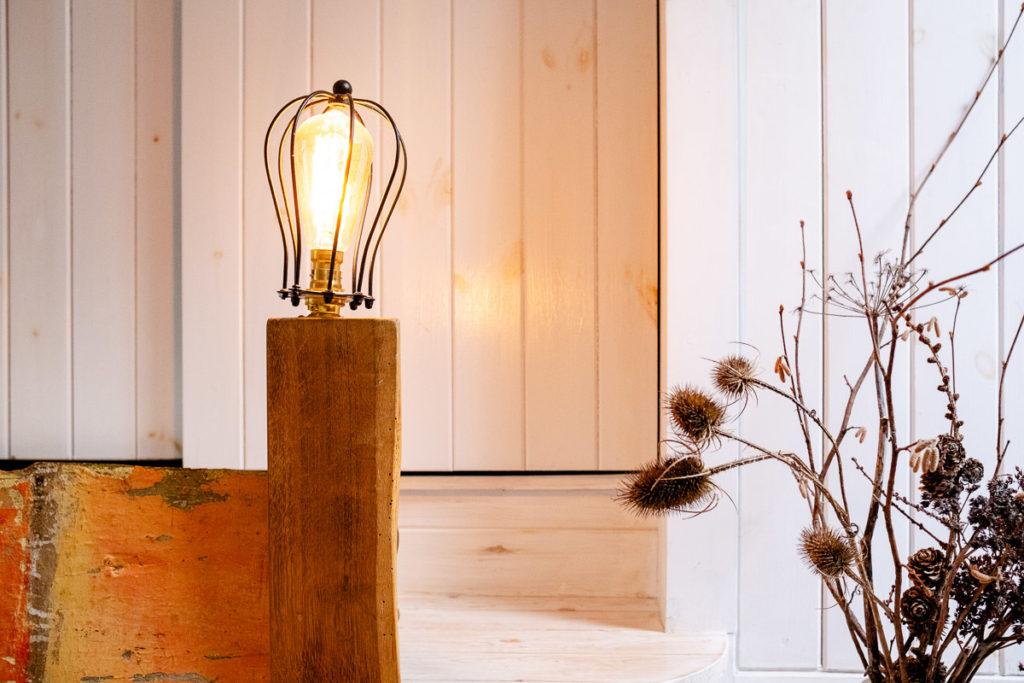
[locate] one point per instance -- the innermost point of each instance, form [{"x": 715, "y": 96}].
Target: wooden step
[{"x": 547, "y": 640}]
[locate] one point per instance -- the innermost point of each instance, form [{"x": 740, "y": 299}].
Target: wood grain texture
[
  {"x": 15, "y": 559},
  {"x": 531, "y": 562},
  {"x": 627, "y": 231},
  {"x": 559, "y": 230},
  {"x": 103, "y": 228},
  {"x": 333, "y": 420},
  {"x": 116, "y": 573},
  {"x": 40, "y": 229},
  {"x": 116, "y": 568},
  {"x": 583, "y": 641},
  {"x": 275, "y": 69},
  {"x": 212, "y": 298},
  {"x": 487, "y": 236},
  {"x": 157, "y": 287},
  {"x": 417, "y": 287}
]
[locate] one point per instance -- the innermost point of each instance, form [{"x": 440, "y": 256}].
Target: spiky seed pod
[
  {"x": 733, "y": 376},
  {"x": 695, "y": 414},
  {"x": 825, "y": 551},
  {"x": 919, "y": 610},
  {"x": 671, "y": 485},
  {"x": 926, "y": 567}
]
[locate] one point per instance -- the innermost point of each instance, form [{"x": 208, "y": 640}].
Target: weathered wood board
[
  {"x": 118, "y": 573},
  {"x": 333, "y": 449}
]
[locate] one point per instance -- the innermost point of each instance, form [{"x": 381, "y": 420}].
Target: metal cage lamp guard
[{"x": 320, "y": 177}]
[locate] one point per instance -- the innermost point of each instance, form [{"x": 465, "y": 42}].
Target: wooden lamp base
[{"x": 334, "y": 445}]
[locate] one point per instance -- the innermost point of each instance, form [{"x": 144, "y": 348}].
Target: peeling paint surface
[
  {"x": 14, "y": 562},
  {"x": 132, "y": 574}
]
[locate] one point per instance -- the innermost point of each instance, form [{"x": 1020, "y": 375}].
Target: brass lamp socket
[{"x": 320, "y": 268}]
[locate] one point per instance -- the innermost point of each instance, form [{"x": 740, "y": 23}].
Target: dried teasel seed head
[
  {"x": 670, "y": 485},
  {"x": 826, "y": 551},
  {"x": 695, "y": 415},
  {"x": 926, "y": 567},
  {"x": 733, "y": 376}
]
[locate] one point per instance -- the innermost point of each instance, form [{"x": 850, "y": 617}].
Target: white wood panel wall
[
  {"x": 88, "y": 337},
  {"x": 522, "y": 260},
  {"x": 774, "y": 110}
]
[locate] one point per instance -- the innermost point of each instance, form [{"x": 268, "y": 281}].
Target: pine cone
[
  {"x": 926, "y": 567},
  {"x": 951, "y": 451},
  {"x": 919, "y": 610},
  {"x": 941, "y": 488},
  {"x": 972, "y": 471},
  {"x": 917, "y": 669}
]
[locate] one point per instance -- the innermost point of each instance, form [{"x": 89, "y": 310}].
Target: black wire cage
[{"x": 321, "y": 177}]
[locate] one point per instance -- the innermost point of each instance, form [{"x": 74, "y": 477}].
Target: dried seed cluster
[
  {"x": 826, "y": 551},
  {"x": 695, "y": 415},
  {"x": 676, "y": 484},
  {"x": 733, "y": 376}
]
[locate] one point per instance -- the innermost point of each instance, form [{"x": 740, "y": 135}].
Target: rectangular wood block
[
  {"x": 333, "y": 448},
  {"x": 119, "y": 573}
]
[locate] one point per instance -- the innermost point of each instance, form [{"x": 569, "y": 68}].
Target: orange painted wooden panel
[
  {"x": 14, "y": 557},
  {"x": 133, "y": 574}
]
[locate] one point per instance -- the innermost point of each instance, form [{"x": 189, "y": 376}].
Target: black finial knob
[{"x": 342, "y": 87}]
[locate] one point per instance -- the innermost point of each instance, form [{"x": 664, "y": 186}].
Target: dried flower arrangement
[{"x": 953, "y": 603}]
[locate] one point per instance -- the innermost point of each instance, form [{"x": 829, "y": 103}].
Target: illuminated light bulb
[{"x": 321, "y": 155}]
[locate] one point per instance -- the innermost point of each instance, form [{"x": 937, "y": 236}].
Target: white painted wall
[
  {"x": 522, "y": 259},
  {"x": 88, "y": 333},
  {"x": 772, "y": 110}
]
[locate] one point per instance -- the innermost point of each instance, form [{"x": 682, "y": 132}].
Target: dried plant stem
[
  {"x": 1000, "y": 450},
  {"x": 874, "y": 635},
  {"x": 956, "y": 278},
  {"x": 953, "y": 136},
  {"x": 963, "y": 200}
]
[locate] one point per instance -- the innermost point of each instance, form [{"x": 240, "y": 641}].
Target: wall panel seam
[
  {"x": 911, "y": 171},
  {"x": 240, "y": 162},
  {"x": 5, "y": 135},
  {"x": 1001, "y": 216},
  {"x": 451, "y": 229},
  {"x": 135, "y": 233},
  {"x": 825, "y": 265},
  {"x": 522, "y": 234},
  {"x": 69, "y": 223},
  {"x": 597, "y": 244},
  {"x": 741, "y": 76}
]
